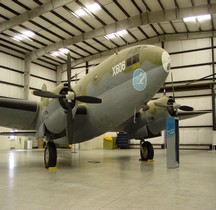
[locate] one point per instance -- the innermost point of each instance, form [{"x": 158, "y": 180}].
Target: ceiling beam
[
  {"x": 127, "y": 23},
  {"x": 28, "y": 15}
]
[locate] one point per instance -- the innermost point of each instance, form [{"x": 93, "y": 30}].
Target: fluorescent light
[
  {"x": 93, "y": 7},
  {"x": 64, "y": 50},
  {"x": 55, "y": 53},
  {"x": 61, "y": 51},
  {"x": 23, "y": 35},
  {"x": 198, "y": 18},
  {"x": 87, "y": 10},
  {"x": 190, "y": 19},
  {"x": 117, "y": 34},
  {"x": 201, "y": 18},
  {"x": 12, "y": 137},
  {"x": 18, "y": 37},
  {"x": 80, "y": 12},
  {"x": 122, "y": 32},
  {"x": 28, "y": 33},
  {"x": 110, "y": 36}
]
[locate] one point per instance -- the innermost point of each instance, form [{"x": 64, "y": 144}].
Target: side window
[
  {"x": 129, "y": 62},
  {"x": 135, "y": 58}
]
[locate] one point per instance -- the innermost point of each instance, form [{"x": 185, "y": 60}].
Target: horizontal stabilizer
[{"x": 18, "y": 133}]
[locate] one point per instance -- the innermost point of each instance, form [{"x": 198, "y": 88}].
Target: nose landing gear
[{"x": 50, "y": 155}]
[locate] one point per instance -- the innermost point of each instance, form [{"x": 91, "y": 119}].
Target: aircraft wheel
[
  {"x": 50, "y": 155},
  {"x": 146, "y": 151}
]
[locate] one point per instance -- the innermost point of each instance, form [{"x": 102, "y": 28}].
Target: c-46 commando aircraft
[{"x": 115, "y": 96}]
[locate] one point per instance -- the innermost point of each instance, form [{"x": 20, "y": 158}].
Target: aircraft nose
[{"x": 166, "y": 59}]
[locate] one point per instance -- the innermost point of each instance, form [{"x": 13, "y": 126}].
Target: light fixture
[
  {"x": 17, "y": 38},
  {"x": 24, "y": 35},
  {"x": 80, "y": 12},
  {"x": 189, "y": 19},
  {"x": 12, "y": 137},
  {"x": 55, "y": 53},
  {"x": 122, "y": 32},
  {"x": 199, "y": 18},
  {"x": 61, "y": 51},
  {"x": 93, "y": 7},
  {"x": 64, "y": 50},
  {"x": 89, "y": 9},
  {"x": 117, "y": 34},
  {"x": 110, "y": 36},
  {"x": 28, "y": 33}
]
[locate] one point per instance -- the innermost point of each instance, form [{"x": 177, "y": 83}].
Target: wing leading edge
[
  {"x": 191, "y": 114},
  {"x": 18, "y": 114}
]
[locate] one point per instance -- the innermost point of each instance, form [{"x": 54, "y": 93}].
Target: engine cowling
[{"x": 56, "y": 110}]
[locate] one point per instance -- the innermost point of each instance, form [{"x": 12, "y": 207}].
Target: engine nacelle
[
  {"x": 52, "y": 113},
  {"x": 53, "y": 110},
  {"x": 150, "y": 123}
]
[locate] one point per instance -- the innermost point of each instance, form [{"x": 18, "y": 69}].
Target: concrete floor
[{"x": 105, "y": 179}]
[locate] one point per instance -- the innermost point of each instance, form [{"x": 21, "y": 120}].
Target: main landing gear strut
[
  {"x": 146, "y": 150},
  {"x": 50, "y": 155}
]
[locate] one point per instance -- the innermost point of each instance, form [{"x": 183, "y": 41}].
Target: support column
[
  {"x": 27, "y": 69},
  {"x": 213, "y": 87},
  {"x": 213, "y": 96}
]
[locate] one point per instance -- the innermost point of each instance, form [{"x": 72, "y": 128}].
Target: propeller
[
  {"x": 70, "y": 97},
  {"x": 171, "y": 105},
  {"x": 174, "y": 106}
]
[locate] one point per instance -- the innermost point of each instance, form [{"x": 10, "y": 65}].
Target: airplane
[{"x": 114, "y": 96}]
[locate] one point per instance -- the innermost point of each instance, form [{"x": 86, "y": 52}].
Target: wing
[
  {"x": 19, "y": 133},
  {"x": 18, "y": 114},
  {"x": 190, "y": 114}
]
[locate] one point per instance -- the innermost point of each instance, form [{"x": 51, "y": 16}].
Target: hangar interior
[{"x": 36, "y": 35}]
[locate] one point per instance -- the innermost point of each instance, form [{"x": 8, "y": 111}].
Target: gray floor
[{"x": 104, "y": 179}]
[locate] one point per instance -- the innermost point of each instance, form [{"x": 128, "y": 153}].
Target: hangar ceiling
[{"x": 45, "y": 30}]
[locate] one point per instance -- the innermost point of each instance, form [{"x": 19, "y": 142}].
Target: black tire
[
  {"x": 50, "y": 155},
  {"x": 146, "y": 151}
]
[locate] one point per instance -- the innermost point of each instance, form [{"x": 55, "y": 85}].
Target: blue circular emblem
[{"x": 139, "y": 79}]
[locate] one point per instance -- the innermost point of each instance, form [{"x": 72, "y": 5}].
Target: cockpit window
[
  {"x": 133, "y": 57},
  {"x": 132, "y": 60}
]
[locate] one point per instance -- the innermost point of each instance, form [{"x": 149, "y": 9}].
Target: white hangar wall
[
  {"x": 12, "y": 86},
  {"x": 12, "y": 77}
]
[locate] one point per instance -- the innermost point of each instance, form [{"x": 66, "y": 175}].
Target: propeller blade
[
  {"x": 89, "y": 99},
  {"x": 175, "y": 106},
  {"x": 186, "y": 108},
  {"x": 46, "y": 94},
  {"x": 70, "y": 124},
  {"x": 69, "y": 71}
]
